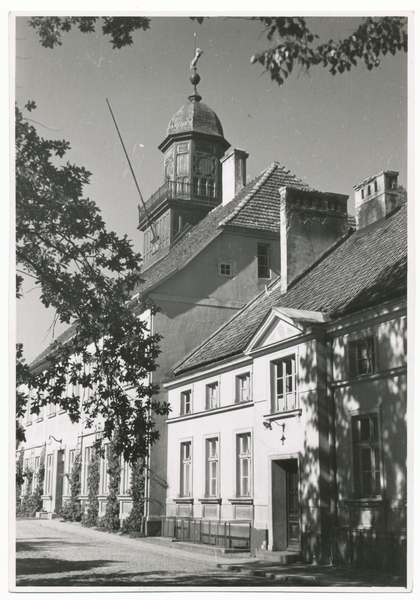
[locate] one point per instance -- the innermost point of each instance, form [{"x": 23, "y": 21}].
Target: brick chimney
[
  {"x": 233, "y": 173},
  {"x": 310, "y": 222},
  {"x": 376, "y": 197}
]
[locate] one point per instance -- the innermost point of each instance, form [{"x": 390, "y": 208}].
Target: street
[
  {"x": 51, "y": 553},
  {"x": 55, "y": 554}
]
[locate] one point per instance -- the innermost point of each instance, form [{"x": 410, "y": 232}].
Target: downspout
[
  {"x": 147, "y": 477},
  {"x": 332, "y": 443}
]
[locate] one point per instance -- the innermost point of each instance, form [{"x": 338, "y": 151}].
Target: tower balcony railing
[{"x": 203, "y": 191}]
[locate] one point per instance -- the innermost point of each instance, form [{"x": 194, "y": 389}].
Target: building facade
[{"x": 289, "y": 424}]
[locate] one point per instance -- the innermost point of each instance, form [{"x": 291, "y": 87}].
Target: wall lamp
[
  {"x": 58, "y": 441},
  {"x": 267, "y": 424}
]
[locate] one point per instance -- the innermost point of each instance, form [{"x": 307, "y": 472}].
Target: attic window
[{"x": 225, "y": 269}]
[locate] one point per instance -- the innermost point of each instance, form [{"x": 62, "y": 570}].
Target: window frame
[
  {"x": 243, "y": 457},
  {"x": 185, "y": 473},
  {"x": 374, "y": 447},
  {"x": 183, "y": 402},
  {"x": 263, "y": 261},
  {"x": 87, "y": 455},
  {"x": 49, "y": 462},
  {"x": 212, "y": 468},
  {"x": 239, "y": 389},
  {"x": 104, "y": 476},
  {"x": 209, "y": 397},
  {"x": 276, "y": 405},
  {"x": 355, "y": 358}
]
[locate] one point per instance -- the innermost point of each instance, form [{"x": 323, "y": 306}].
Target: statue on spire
[{"x": 198, "y": 53}]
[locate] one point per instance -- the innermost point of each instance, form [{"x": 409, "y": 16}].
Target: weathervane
[{"x": 195, "y": 78}]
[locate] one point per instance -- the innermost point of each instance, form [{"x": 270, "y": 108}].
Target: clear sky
[{"x": 332, "y": 132}]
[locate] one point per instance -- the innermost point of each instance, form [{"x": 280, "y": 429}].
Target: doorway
[
  {"x": 59, "y": 484},
  {"x": 285, "y": 504}
]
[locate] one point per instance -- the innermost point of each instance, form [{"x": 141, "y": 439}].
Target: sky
[{"x": 330, "y": 131}]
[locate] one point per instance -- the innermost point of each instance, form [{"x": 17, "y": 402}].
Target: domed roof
[{"x": 195, "y": 116}]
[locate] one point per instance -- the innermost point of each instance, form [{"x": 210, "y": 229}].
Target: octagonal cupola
[{"x": 193, "y": 148}]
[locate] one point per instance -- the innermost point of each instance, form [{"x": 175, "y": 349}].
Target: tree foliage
[
  {"x": 50, "y": 29},
  {"x": 88, "y": 275},
  {"x": 295, "y": 46}
]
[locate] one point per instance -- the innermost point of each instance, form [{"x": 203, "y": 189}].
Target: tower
[{"x": 192, "y": 149}]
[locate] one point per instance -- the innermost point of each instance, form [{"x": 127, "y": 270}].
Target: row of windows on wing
[
  {"x": 366, "y": 462},
  {"x": 212, "y": 467},
  {"x": 285, "y": 398},
  {"x": 104, "y": 475},
  {"x": 50, "y": 409}
]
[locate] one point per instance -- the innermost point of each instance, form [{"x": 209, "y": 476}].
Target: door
[
  {"x": 60, "y": 476},
  {"x": 292, "y": 501},
  {"x": 285, "y": 504}
]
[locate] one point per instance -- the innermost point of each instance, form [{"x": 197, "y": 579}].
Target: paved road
[{"x": 51, "y": 553}]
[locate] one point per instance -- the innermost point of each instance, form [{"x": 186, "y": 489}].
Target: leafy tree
[
  {"x": 72, "y": 509},
  {"x": 294, "y": 44},
  {"x": 88, "y": 275}
]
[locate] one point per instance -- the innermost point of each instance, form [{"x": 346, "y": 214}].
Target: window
[
  {"x": 212, "y": 467},
  {"x": 104, "y": 472},
  {"x": 48, "y": 474},
  {"x": 368, "y": 190},
  {"x": 86, "y": 462},
  {"x": 185, "y": 488},
  {"x": 367, "y": 474},
  {"x": 36, "y": 471},
  {"x": 72, "y": 455},
  {"x": 28, "y": 411},
  {"x": 362, "y": 356},
  {"x": 375, "y": 185},
  {"x": 285, "y": 397},
  {"x": 125, "y": 477},
  {"x": 243, "y": 468},
  {"x": 212, "y": 396},
  {"x": 186, "y": 402},
  {"x": 243, "y": 388},
  {"x": 52, "y": 408},
  {"x": 263, "y": 256},
  {"x": 225, "y": 269},
  {"x": 363, "y": 194}
]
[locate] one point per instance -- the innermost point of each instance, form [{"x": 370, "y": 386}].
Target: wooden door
[
  {"x": 292, "y": 510},
  {"x": 60, "y": 476}
]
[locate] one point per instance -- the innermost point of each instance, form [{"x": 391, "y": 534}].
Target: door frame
[{"x": 271, "y": 524}]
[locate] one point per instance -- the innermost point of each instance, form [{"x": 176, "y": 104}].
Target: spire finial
[{"x": 195, "y": 78}]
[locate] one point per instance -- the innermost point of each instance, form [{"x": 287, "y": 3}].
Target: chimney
[
  {"x": 233, "y": 173},
  {"x": 310, "y": 223},
  {"x": 376, "y": 197}
]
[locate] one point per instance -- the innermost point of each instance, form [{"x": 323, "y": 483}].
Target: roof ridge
[{"x": 267, "y": 172}]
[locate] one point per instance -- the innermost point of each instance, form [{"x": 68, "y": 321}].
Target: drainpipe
[
  {"x": 147, "y": 477},
  {"x": 332, "y": 440}
]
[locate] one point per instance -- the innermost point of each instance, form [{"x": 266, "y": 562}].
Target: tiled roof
[
  {"x": 255, "y": 198},
  {"x": 256, "y": 206},
  {"x": 364, "y": 269},
  {"x": 260, "y": 208},
  {"x": 195, "y": 116}
]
